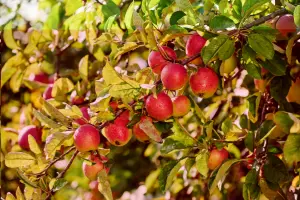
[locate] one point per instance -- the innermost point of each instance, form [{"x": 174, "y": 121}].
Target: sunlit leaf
[
  {"x": 18, "y": 159},
  {"x": 8, "y": 37}
]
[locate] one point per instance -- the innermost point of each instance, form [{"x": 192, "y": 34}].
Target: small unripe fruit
[
  {"x": 25, "y": 132},
  {"x": 48, "y": 92},
  {"x": 123, "y": 119},
  {"x": 181, "y": 106},
  {"x": 286, "y": 25},
  {"x": 216, "y": 158},
  {"x": 294, "y": 92},
  {"x": 194, "y": 44},
  {"x": 86, "y": 138},
  {"x": 160, "y": 108},
  {"x": 139, "y": 133},
  {"x": 157, "y": 62},
  {"x": 91, "y": 171},
  {"x": 117, "y": 135},
  {"x": 85, "y": 118},
  {"x": 174, "y": 76},
  {"x": 204, "y": 82},
  {"x": 41, "y": 77},
  {"x": 228, "y": 65}
]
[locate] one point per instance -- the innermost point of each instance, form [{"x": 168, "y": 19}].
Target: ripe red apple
[
  {"x": 91, "y": 171},
  {"x": 194, "y": 44},
  {"x": 48, "y": 92},
  {"x": 75, "y": 99},
  {"x": 86, "y": 138},
  {"x": 157, "y": 62},
  {"x": 160, "y": 108},
  {"x": 181, "y": 106},
  {"x": 85, "y": 118},
  {"x": 174, "y": 76},
  {"x": 25, "y": 132},
  {"x": 41, "y": 77},
  {"x": 117, "y": 135},
  {"x": 139, "y": 133},
  {"x": 216, "y": 158},
  {"x": 286, "y": 25},
  {"x": 123, "y": 119},
  {"x": 204, "y": 82}
]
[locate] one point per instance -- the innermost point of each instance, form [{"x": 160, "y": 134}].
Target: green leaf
[
  {"x": 250, "y": 188},
  {"x": 291, "y": 148},
  {"x": 280, "y": 86},
  {"x": 16, "y": 80},
  {"x": 110, "y": 9},
  {"x": 274, "y": 170},
  {"x": 266, "y": 31},
  {"x": 104, "y": 186},
  {"x": 84, "y": 67},
  {"x": 18, "y": 159},
  {"x": 269, "y": 192},
  {"x": 202, "y": 163},
  {"x": 59, "y": 184},
  {"x": 54, "y": 112},
  {"x": 110, "y": 76},
  {"x": 283, "y": 120},
  {"x": 54, "y": 142},
  {"x": 179, "y": 140},
  {"x": 253, "y": 70},
  {"x": 251, "y": 5},
  {"x": 33, "y": 145},
  {"x": 44, "y": 119},
  {"x": 128, "y": 18},
  {"x": 226, "y": 125},
  {"x": 9, "y": 196},
  {"x": 237, "y": 9},
  {"x": 221, "y": 22},
  {"x": 261, "y": 45},
  {"x": 61, "y": 87},
  {"x": 249, "y": 142},
  {"x": 222, "y": 173},
  {"x": 186, "y": 7},
  {"x": 253, "y": 104},
  {"x": 53, "y": 20},
  {"x": 19, "y": 194},
  {"x": 71, "y": 6},
  {"x": 109, "y": 22},
  {"x": 276, "y": 66},
  {"x": 221, "y": 45},
  {"x": 297, "y": 15},
  {"x": 265, "y": 127},
  {"x": 8, "y": 37},
  {"x": 176, "y": 16},
  {"x": 148, "y": 127},
  {"x": 26, "y": 180},
  {"x": 167, "y": 173},
  {"x": 11, "y": 67}
]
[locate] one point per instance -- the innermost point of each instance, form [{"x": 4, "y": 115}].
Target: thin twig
[
  {"x": 266, "y": 18},
  {"x": 54, "y": 161}
]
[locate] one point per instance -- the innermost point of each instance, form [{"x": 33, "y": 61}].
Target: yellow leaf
[
  {"x": 8, "y": 37},
  {"x": 18, "y": 159}
]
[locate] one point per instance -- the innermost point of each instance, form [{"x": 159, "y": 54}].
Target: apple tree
[{"x": 171, "y": 99}]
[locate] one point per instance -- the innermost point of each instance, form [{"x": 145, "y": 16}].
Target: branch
[
  {"x": 51, "y": 192},
  {"x": 266, "y": 18},
  {"x": 189, "y": 59},
  {"x": 54, "y": 161}
]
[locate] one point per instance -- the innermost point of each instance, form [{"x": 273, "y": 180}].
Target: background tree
[{"x": 170, "y": 99}]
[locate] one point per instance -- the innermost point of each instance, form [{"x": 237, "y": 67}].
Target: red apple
[
  {"x": 48, "y": 92},
  {"x": 157, "y": 62},
  {"x": 25, "y": 132},
  {"x": 117, "y": 135},
  {"x": 41, "y": 77},
  {"x": 160, "y": 108},
  {"x": 91, "y": 171},
  {"x": 194, "y": 44},
  {"x": 204, "y": 82},
  {"x": 181, "y": 106},
  {"x": 139, "y": 133},
  {"x": 286, "y": 25},
  {"x": 85, "y": 118},
  {"x": 174, "y": 76},
  {"x": 86, "y": 138},
  {"x": 216, "y": 158},
  {"x": 75, "y": 99},
  {"x": 123, "y": 119}
]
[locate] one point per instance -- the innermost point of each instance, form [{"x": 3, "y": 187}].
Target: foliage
[{"x": 92, "y": 56}]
